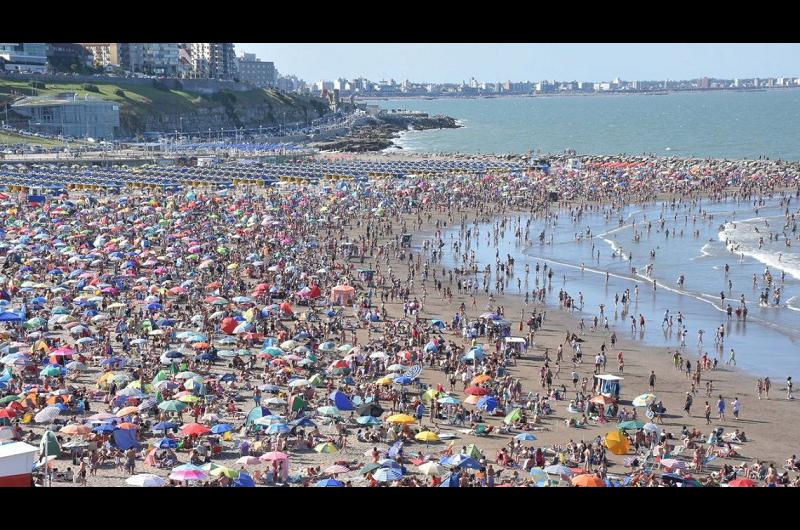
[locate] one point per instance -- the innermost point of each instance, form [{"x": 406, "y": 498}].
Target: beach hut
[
  {"x": 514, "y": 346},
  {"x": 16, "y": 464},
  {"x": 342, "y": 294},
  {"x": 607, "y": 385}
]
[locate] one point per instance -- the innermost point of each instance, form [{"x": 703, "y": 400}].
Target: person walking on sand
[
  {"x": 721, "y": 408},
  {"x": 652, "y": 380},
  {"x": 789, "y": 386},
  {"x": 707, "y": 413},
  {"x": 735, "y": 407},
  {"x": 759, "y": 387},
  {"x": 687, "y": 407}
]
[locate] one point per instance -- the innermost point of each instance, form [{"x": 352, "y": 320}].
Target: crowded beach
[{"x": 295, "y": 327}]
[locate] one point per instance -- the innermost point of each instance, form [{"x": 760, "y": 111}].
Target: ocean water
[
  {"x": 767, "y": 343},
  {"x": 702, "y": 124}
]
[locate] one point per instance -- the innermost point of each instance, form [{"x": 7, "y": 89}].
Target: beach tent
[
  {"x": 342, "y": 294},
  {"x": 297, "y": 403},
  {"x": 255, "y": 413},
  {"x": 341, "y": 401},
  {"x": 53, "y": 447}
]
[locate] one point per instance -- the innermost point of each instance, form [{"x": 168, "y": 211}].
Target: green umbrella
[
  {"x": 8, "y": 399},
  {"x": 161, "y": 376},
  {"x": 316, "y": 380},
  {"x": 34, "y": 323},
  {"x": 368, "y": 468},
  {"x": 172, "y": 405},
  {"x": 512, "y": 416},
  {"x": 49, "y": 371},
  {"x": 329, "y": 410},
  {"x": 630, "y": 425}
]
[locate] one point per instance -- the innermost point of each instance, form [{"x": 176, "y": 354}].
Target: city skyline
[{"x": 454, "y": 63}]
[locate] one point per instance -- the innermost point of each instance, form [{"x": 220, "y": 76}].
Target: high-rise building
[
  {"x": 214, "y": 60},
  {"x": 155, "y": 58},
  {"x": 23, "y": 57},
  {"x": 256, "y": 72},
  {"x": 104, "y": 53}
]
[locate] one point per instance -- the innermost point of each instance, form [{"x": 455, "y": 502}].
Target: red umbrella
[
  {"x": 7, "y": 413},
  {"x": 194, "y": 429},
  {"x": 742, "y": 483},
  {"x": 476, "y": 391}
]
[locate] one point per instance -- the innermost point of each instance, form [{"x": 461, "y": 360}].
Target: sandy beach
[{"x": 766, "y": 422}]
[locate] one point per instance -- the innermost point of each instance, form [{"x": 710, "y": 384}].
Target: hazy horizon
[{"x": 454, "y": 63}]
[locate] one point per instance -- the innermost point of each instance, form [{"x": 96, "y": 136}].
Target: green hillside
[{"x": 142, "y": 106}]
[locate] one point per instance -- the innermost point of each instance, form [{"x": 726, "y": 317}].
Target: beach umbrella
[
  {"x": 464, "y": 461},
  {"x": 672, "y": 463},
  {"x": 328, "y": 411},
  {"x": 145, "y": 480},
  {"x": 195, "y": 429},
  {"x": 273, "y": 456},
  {"x": 275, "y": 428},
  {"x": 477, "y": 391},
  {"x": 525, "y": 437},
  {"x": 644, "y": 400},
  {"x": 448, "y": 400},
  {"x": 741, "y": 483},
  {"x": 73, "y": 429},
  {"x": 617, "y": 443},
  {"x": 329, "y": 483},
  {"x": 630, "y": 425},
  {"x": 368, "y": 420},
  {"x": 368, "y": 468},
  {"x": 387, "y": 474},
  {"x": 540, "y": 478},
  {"x": 243, "y": 481},
  {"x": 427, "y": 436},
  {"x": 50, "y": 371},
  {"x": 221, "y": 428},
  {"x": 126, "y": 411},
  {"x": 588, "y": 481},
  {"x": 326, "y": 447},
  {"x": 432, "y": 469},
  {"x": 401, "y": 419},
  {"x": 166, "y": 443},
  {"x": 336, "y": 469},
  {"x": 248, "y": 461},
  {"x": 47, "y": 414},
  {"x": 559, "y": 469},
  {"x": 188, "y": 474},
  {"x": 480, "y": 379},
  {"x": 487, "y": 403},
  {"x": 164, "y": 426},
  {"x": 172, "y": 405},
  {"x": 652, "y": 427}
]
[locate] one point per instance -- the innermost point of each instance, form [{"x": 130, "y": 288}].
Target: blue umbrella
[
  {"x": 164, "y": 426},
  {"x": 105, "y": 427},
  {"x": 487, "y": 403},
  {"x": 402, "y": 380},
  {"x": 277, "y": 428},
  {"x": 154, "y": 307},
  {"x": 525, "y": 437},
  {"x": 463, "y": 461},
  {"x": 329, "y": 483},
  {"x": 166, "y": 443},
  {"x": 387, "y": 474},
  {"x": 221, "y": 428},
  {"x": 244, "y": 481}
]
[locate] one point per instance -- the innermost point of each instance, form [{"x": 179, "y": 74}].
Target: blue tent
[
  {"x": 255, "y": 413},
  {"x": 341, "y": 401},
  {"x": 243, "y": 481},
  {"x": 125, "y": 439}
]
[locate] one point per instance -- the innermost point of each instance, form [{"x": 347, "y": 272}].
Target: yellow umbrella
[
  {"x": 126, "y": 411},
  {"x": 227, "y": 471},
  {"x": 384, "y": 381},
  {"x": 617, "y": 443},
  {"x": 427, "y": 436},
  {"x": 189, "y": 399},
  {"x": 400, "y": 418}
]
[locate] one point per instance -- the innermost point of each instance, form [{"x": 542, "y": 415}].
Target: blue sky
[{"x": 529, "y": 62}]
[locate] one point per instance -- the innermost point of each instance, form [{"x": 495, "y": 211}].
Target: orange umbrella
[
  {"x": 126, "y": 411},
  {"x": 472, "y": 400},
  {"x": 478, "y": 379},
  {"x": 75, "y": 430},
  {"x": 127, "y": 425},
  {"x": 201, "y": 345},
  {"x": 602, "y": 400},
  {"x": 588, "y": 481}
]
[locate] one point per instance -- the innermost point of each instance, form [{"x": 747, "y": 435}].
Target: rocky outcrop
[{"x": 377, "y": 133}]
